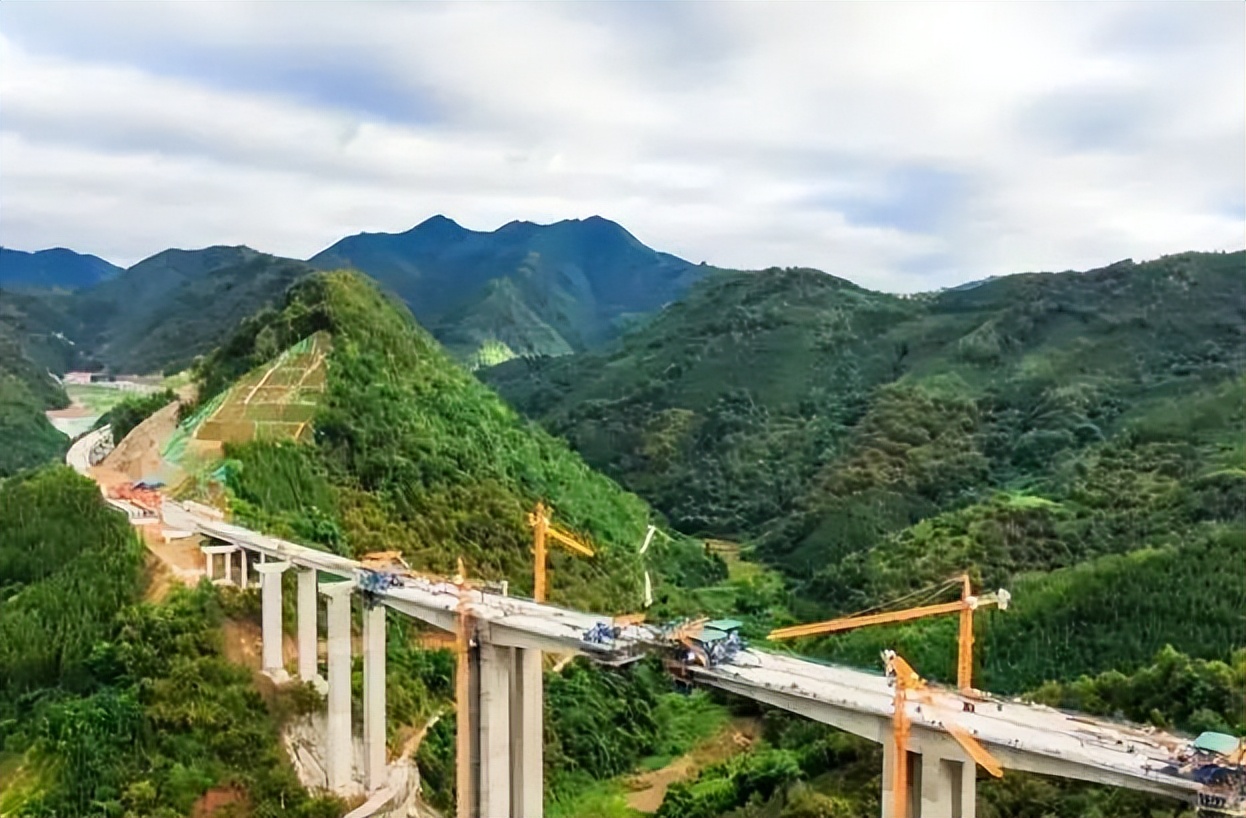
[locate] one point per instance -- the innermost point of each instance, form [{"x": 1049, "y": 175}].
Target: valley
[{"x": 1073, "y": 437}]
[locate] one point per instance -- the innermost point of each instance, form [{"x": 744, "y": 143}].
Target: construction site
[{"x": 933, "y": 737}]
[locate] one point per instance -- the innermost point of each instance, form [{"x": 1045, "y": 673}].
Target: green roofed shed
[
  {"x": 1220, "y": 743},
  {"x": 725, "y": 625}
]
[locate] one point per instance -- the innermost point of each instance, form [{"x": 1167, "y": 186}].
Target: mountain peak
[
  {"x": 438, "y": 224},
  {"x": 54, "y": 267}
]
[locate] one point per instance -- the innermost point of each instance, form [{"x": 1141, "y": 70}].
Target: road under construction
[{"x": 501, "y": 740}]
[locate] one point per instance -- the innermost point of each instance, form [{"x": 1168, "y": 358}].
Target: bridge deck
[{"x": 1023, "y": 736}]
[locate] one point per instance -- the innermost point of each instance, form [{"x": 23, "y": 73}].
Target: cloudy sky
[{"x": 902, "y": 146}]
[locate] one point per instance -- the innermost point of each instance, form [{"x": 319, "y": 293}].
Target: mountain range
[
  {"x": 1074, "y": 437},
  {"x": 523, "y": 289},
  {"x": 55, "y": 268}
]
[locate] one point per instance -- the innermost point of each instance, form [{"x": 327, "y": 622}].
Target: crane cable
[{"x": 930, "y": 592}]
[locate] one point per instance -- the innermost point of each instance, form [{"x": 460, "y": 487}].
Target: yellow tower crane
[
  {"x": 907, "y": 683},
  {"x": 965, "y": 606},
  {"x": 542, "y": 528}
]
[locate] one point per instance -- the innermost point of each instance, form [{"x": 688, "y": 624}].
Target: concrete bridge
[{"x": 505, "y": 699}]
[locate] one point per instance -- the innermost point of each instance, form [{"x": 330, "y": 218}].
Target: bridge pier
[
  {"x": 374, "y": 697},
  {"x": 505, "y": 713},
  {"x": 308, "y": 639},
  {"x": 527, "y": 739},
  {"x": 938, "y": 787},
  {"x": 339, "y": 747},
  {"x": 270, "y": 573}
]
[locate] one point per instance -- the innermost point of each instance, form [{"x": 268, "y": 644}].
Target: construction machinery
[
  {"x": 140, "y": 493},
  {"x": 908, "y": 684},
  {"x": 380, "y": 571},
  {"x": 541, "y": 529},
  {"x": 1217, "y": 761},
  {"x": 965, "y": 606},
  {"x": 701, "y": 640}
]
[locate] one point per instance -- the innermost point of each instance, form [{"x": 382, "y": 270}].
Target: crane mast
[{"x": 541, "y": 530}]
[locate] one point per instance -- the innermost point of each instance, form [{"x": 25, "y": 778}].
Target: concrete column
[
  {"x": 495, "y": 766},
  {"x": 207, "y": 565},
  {"x": 968, "y": 790},
  {"x": 374, "y": 696},
  {"x": 339, "y": 750},
  {"x": 936, "y": 787},
  {"x": 914, "y": 782},
  {"x": 270, "y": 597},
  {"x": 308, "y": 672},
  {"x": 889, "y": 755},
  {"x": 229, "y": 566},
  {"x": 242, "y": 567},
  {"x": 527, "y": 734}
]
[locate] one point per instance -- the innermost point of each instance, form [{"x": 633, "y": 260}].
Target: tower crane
[
  {"x": 542, "y": 528},
  {"x": 965, "y": 606},
  {"x": 908, "y": 683}
]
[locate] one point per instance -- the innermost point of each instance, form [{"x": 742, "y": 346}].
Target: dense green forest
[
  {"x": 1075, "y": 437},
  {"x": 27, "y": 350},
  {"x": 111, "y": 706},
  {"x": 411, "y": 452},
  {"x": 523, "y": 289}
]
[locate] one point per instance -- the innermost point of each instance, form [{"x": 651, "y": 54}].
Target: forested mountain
[
  {"x": 109, "y": 705},
  {"x": 520, "y": 290},
  {"x": 165, "y": 310},
  {"x": 871, "y": 444},
  {"x": 28, "y": 350},
  {"x": 57, "y": 268},
  {"x": 412, "y": 453},
  {"x": 532, "y": 289},
  {"x": 1075, "y": 437}
]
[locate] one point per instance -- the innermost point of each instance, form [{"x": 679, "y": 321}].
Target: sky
[{"x": 903, "y": 146}]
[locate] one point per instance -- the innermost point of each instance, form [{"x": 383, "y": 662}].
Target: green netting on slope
[{"x": 175, "y": 448}]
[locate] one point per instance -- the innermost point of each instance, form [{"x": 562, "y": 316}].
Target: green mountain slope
[
  {"x": 411, "y": 452},
  {"x": 27, "y": 351},
  {"x": 1074, "y": 437},
  {"x": 568, "y": 285},
  {"x": 111, "y": 706},
  {"x": 56, "y": 268},
  {"x": 827, "y": 422},
  {"x": 165, "y": 310}
]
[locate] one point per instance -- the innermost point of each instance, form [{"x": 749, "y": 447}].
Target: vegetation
[
  {"x": 530, "y": 289},
  {"x": 413, "y": 453},
  {"x": 27, "y": 439},
  {"x": 1072, "y": 437},
  {"x": 118, "y": 707}
]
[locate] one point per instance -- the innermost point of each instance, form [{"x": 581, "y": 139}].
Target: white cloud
[{"x": 747, "y": 135}]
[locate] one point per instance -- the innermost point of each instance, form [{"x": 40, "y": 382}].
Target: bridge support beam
[
  {"x": 527, "y": 734},
  {"x": 307, "y": 626},
  {"x": 493, "y": 731},
  {"x": 938, "y": 787},
  {"x": 339, "y": 751},
  {"x": 374, "y": 697},
  {"x": 270, "y": 617},
  {"x": 506, "y": 729}
]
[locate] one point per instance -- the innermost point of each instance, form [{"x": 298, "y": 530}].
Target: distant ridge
[
  {"x": 571, "y": 283},
  {"x": 54, "y": 268}
]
